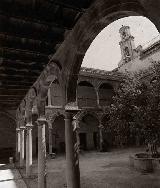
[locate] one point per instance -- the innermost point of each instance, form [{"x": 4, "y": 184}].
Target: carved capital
[
  {"x": 100, "y": 126},
  {"x": 22, "y": 127},
  {"x": 49, "y": 124},
  {"x": 41, "y": 121},
  {"x": 75, "y": 124},
  {"x": 29, "y": 126},
  {"x": 18, "y": 129}
]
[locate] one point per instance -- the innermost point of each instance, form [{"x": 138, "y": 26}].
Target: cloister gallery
[{"x": 44, "y": 100}]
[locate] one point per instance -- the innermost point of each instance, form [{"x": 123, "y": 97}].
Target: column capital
[
  {"x": 22, "y": 127},
  {"x": 29, "y": 126},
  {"x": 49, "y": 124},
  {"x": 41, "y": 121},
  {"x": 100, "y": 126},
  {"x": 76, "y": 124},
  {"x": 17, "y": 129}
]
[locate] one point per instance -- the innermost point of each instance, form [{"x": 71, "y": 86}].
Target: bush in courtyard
[{"x": 135, "y": 111}]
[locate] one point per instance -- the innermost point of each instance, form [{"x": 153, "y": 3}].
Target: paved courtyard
[
  {"x": 98, "y": 170},
  {"x": 10, "y": 177}
]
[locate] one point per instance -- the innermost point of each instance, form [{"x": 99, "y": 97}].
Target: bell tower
[{"x": 126, "y": 44}]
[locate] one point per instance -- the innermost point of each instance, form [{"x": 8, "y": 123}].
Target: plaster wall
[
  {"x": 140, "y": 64},
  {"x": 7, "y": 136}
]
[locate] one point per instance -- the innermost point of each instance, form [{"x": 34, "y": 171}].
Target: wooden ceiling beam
[
  {"x": 12, "y": 53},
  {"x": 13, "y": 91},
  {"x": 22, "y": 64},
  {"x": 67, "y": 6},
  {"x": 26, "y": 44},
  {"x": 38, "y": 8},
  {"x": 14, "y": 87},
  {"x": 18, "y": 62},
  {"x": 23, "y": 71},
  {"x": 31, "y": 29},
  {"x": 16, "y": 83},
  {"x": 16, "y": 76}
]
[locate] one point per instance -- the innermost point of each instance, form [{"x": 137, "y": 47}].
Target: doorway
[{"x": 83, "y": 141}]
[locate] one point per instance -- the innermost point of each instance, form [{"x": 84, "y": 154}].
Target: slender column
[
  {"x": 50, "y": 136},
  {"x": 22, "y": 128},
  {"x": 28, "y": 149},
  {"x": 97, "y": 94},
  {"x": 100, "y": 137},
  {"x": 18, "y": 144},
  {"x": 72, "y": 162},
  {"x": 76, "y": 128},
  {"x": 41, "y": 153},
  {"x": 49, "y": 97}
]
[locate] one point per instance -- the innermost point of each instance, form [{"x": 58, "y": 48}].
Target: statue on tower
[{"x": 126, "y": 44}]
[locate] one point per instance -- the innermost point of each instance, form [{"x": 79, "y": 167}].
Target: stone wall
[{"x": 8, "y": 135}]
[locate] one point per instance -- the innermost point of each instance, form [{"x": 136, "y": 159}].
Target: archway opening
[
  {"x": 108, "y": 137},
  {"x": 105, "y": 92},
  {"x": 94, "y": 45},
  {"x": 88, "y": 132},
  {"x": 55, "y": 94},
  {"x": 86, "y": 95},
  {"x": 58, "y": 135}
]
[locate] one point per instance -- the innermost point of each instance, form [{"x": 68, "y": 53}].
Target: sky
[{"x": 104, "y": 52}]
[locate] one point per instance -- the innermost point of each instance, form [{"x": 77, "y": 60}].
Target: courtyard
[{"x": 98, "y": 170}]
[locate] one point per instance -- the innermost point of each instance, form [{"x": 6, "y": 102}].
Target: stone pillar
[
  {"x": 97, "y": 94},
  {"x": 17, "y": 144},
  {"x": 22, "y": 128},
  {"x": 28, "y": 149},
  {"x": 100, "y": 137},
  {"x": 41, "y": 153},
  {"x": 72, "y": 161},
  {"x": 49, "y": 97},
  {"x": 77, "y": 136},
  {"x": 50, "y": 136}
]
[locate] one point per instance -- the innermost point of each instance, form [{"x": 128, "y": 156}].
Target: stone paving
[
  {"x": 98, "y": 170},
  {"x": 10, "y": 177}
]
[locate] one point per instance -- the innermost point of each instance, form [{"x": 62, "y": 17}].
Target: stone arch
[
  {"x": 8, "y": 135},
  {"x": 56, "y": 94},
  {"x": 30, "y": 100},
  {"x": 58, "y": 133},
  {"x": 50, "y": 73},
  {"x": 22, "y": 108},
  {"x": 88, "y": 130},
  {"x": 105, "y": 93},
  {"x": 52, "y": 116},
  {"x": 86, "y": 94},
  {"x": 81, "y": 114},
  {"x": 100, "y": 14}
]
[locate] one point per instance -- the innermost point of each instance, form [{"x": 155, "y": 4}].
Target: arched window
[
  {"x": 105, "y": 93},
  {"x": 86, "y": 95}
]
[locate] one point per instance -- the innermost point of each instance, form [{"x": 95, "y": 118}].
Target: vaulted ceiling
[{"x": 31, "y": 30}]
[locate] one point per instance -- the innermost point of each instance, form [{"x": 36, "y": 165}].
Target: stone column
[
  {"x": 28, "y": 149},
  {"x": 22, "y": 128},
  {"x": 41, "y": 153},
  {"x": 50, "y": 136},
  {"x": 72, "y": 161},
  {"x": 78, "y": 140},
  {"x": 100, "y": 137},
  {"x": 97, "y": 94},
  {"x": 76, "y": 129},
  {"x": 49, "y": 97},
  {"x": 17, "y": 144}
]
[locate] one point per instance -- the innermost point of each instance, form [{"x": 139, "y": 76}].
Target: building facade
[{"x": 136, "y": 58}]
